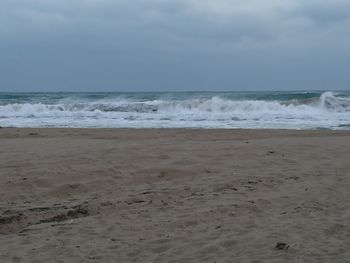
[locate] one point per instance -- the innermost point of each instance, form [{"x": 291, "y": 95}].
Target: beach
[{"x": 174, "y": 195}]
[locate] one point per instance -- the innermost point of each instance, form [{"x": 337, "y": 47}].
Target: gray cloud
[{"x": 174, "y": 45}]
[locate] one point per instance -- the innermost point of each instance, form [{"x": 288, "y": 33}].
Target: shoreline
[{"x": 236, "y": 133}]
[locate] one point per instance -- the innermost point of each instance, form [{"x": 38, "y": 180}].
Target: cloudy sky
[{"x": 161, "y": 45}]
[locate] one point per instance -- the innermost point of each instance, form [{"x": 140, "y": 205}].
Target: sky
[{"x": 174, "y": 45}]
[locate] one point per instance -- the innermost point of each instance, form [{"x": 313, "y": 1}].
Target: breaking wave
[
  {"x": 327, "y": 110},
  {"x": 328, "y": 101}
]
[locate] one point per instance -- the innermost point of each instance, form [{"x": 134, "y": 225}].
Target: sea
[{"x": 300, "y": 110}]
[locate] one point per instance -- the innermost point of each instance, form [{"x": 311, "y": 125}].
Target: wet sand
[{"x": 174, "y": 195}]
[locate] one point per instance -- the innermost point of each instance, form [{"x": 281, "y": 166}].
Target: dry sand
[{"x": 81, "y": 195}]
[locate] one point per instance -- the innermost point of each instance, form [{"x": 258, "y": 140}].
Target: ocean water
[{"x": 252, "y": 110}]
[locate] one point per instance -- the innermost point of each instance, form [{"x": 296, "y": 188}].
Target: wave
[{"x": 328, "y": 102}]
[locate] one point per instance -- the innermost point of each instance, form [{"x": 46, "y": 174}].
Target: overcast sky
[{"x": 162, "y": 45}]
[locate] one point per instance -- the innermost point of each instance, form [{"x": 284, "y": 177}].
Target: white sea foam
[{"x": 329, "y": 111}]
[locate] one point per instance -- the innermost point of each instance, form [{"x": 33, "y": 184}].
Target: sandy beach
[{"x": 174, "y": 195}]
